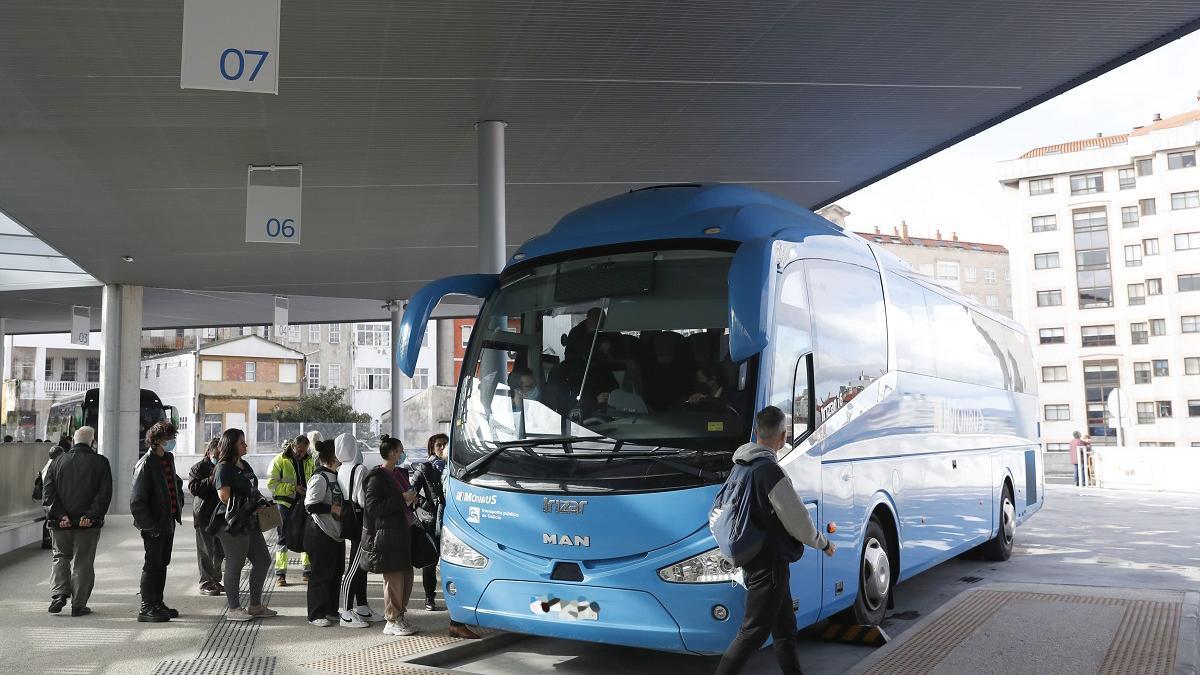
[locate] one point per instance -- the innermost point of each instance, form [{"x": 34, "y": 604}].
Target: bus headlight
[
  {"x": 709, "y": 567},
  {"x": 456, "y": 552}
]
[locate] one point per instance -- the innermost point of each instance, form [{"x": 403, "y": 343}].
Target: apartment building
[
  {"x": 44, "y": 379},
  {"x": 1106, "y": 271}
]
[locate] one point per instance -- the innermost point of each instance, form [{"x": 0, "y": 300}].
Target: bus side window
[{"x": 802, "y": 412}]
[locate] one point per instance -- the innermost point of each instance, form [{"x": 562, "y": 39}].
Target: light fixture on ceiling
[{"x": 127, "y": 258}]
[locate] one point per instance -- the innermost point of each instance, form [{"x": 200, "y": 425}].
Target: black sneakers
[
  {"x": 173, "y": 613},
  {"x": 57, "y": 603},
  {"x": 81, "y": 611},
  {"x": 153, "y": 614}
]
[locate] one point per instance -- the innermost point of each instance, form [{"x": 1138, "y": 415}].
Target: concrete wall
[
  {"x": 1163, "y": 469},
  {"x": 19, "y": 463}
]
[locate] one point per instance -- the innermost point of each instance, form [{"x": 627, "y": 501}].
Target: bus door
[{"x": 791, "y": 375}]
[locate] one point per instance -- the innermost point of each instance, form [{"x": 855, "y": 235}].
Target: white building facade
[{"x": 1106, "y": 278}]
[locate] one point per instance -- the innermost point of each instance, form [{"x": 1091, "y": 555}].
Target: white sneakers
[
  {"x": 321, "y": 623},
  {"x": 367, "y": 614},
  {"x": 239, "y": 614},
  {"x": 351, "y": 619},
  {"x": 400, "y": 628}
]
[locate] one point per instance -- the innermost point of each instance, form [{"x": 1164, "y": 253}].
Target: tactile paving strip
[
  {"x": 1144, "y": 644},
  {"x": 235, "y": 639},
  {"x": 254, "y": 665},
  {"x": 381, "y": 659}
]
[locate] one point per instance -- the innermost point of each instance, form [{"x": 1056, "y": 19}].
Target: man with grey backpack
[{"x": 761, "y": 524}]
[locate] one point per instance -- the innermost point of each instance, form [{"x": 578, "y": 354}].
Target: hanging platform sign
[
  {"x": 273, "y": 204},
  {"x": 81, "y": 325},
  {"x": 231, "y": 45},
  {"x": 281, "y": 315}
]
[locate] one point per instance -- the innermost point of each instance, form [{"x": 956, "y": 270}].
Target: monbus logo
[
  {"x": 471, "y": 498},
  {"x": 565, "y": 539}
]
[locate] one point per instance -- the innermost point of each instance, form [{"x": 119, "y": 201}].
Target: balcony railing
[{"x": 52, "y": 389}]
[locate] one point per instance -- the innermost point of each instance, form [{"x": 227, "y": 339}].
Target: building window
[
  {"x": 420, "y": 379},
  {"x": 93, "y": 370},
  {"x": 1133, "y": 255},
  {"x": 1045, "y": 261},
  {"x": 1141, "y": 372},
  {"x": 1191, "y": 365},
  {"x": 1093, "y": 272},
  {"x": 314, "y": 333},
  {"x": 1187, "y": 241},
  {"x": 210, "y": 371},
  {"x": 1054, "y": 373},
  {"x": 50, "y": 368},
  {"x": 287, "y": 373},
  {"x": 373, "y": 334},
  {"x": 466, "y": 336},
  {"x": 372, "y": 378},
  {"x": 210, "y": 333},
  {"x": 1126, "y": 178},
  {"x": 1164, "y": 408},
  {"x": 1049, "y": 298},
  {"x": 1193, "y": 407},
  {"x": 1058, "y": 412},
  {"x": 1099, "y": 336},
  {"x": 1087, "y": 184},
  {"x": 1188, "y": 282},
  {"x": 1145, "y": 412},
  {"x": 69, "y": 373},
  {"x": 1189, "y": 324},
  {"x": 1150, "y": 246},
  {"x": 1129, "y": 216},
  {"x": 251, "y": 371},
  {"x": 968, "y": 275},
  {"x": 1041, "y": 186},
  {"x": 314, "y": 376},
  {"x": 992, "y": 301},
  {"x": 293, "y": 333},
  {"x": 1185, "y": 200},
  {"x": 1137, "y": 294},
  {"x": 1052, "y": 336},
  {"x": 1138, "y": 334},
  {"x": 1058, "y": 447},
  {"x": 1158, "y": 327},
  {"x": 335, "y": 333},
  {"x": 947, "y": 271},
  {"x": 1045, "y": 223},
  {"x": 213, "y": 425},
  {"x": 335, "y": 375},
  {"x": 1162, "y": 368},
  {"x": 1184, "y": 159},
  {"x": 1099, "y": 379},
  {"x": 1145, "y": 167},
  {"x": 1154, "y": 287},
  {"x": 989, "y": 275},
  {"x": 1147, "y": 207}
]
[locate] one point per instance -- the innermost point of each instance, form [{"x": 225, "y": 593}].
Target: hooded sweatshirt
[
  {"x": 773, "y": 491},
  {"x": 347, "y": 452}
]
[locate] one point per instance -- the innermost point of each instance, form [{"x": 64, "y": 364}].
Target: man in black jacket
[
  {"x": 209, "y": 554},
  {"x": 76, "y": 491},
  {"x": 157, "y": 506}
]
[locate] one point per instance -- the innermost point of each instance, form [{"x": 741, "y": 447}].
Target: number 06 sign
[
  {"x": 273, "y": 210},
  {"x": 231, "y": 45}
]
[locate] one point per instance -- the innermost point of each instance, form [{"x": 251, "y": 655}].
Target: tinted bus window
[
  {"x": 908, "y": 323},
  {"x": 793, "y": 336},
  {"x": 851, "y": 332}
]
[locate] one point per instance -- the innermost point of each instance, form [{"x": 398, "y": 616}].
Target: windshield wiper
[{"x": 478, "y": 466}]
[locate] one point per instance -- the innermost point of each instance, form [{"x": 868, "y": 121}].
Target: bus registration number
[{"x": 570, "y": 610}]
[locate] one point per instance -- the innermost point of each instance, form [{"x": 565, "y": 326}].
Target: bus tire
[
  {"x": 874, "y": 576},
  {"x": 999, "y": 548}
]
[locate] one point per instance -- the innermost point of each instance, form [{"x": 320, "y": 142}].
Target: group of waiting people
[{"x": 340, "y": 500}]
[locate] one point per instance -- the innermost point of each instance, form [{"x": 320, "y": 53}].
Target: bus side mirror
[
  {"x": 172, "y": 415},
  {"x": 751, "y": 288},
  {"x": 420, "y": 308}
]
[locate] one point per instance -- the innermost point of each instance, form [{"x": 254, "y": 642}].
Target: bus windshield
[{"x": 608, "y": 373}]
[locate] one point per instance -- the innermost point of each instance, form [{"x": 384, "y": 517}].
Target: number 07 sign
[
  {"x": 231, "y": 45},
  {"x": 273, "y": 211}
]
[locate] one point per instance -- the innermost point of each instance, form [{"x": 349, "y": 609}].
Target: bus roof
[{"x": 691, "y": 211}]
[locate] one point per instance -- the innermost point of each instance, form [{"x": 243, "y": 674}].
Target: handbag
[
  {"x": 268, "y": 517},
  {"x": 297, "y": 516},
  {"x": 424, "y": 550}
]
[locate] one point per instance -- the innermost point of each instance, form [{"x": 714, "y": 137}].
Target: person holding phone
[{"x": 388, "y": 519}]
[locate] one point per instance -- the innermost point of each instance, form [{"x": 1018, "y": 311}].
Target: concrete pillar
[
  {"x": 5, "y": 374},
  {"x": 396, "y": 308},
  {"x": 492, "y": 252},
  {"x": 120, "y": 386}
]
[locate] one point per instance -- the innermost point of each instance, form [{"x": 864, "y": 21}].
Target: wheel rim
[
  {"x": 876, "y": 574},
  {"x": 1008, "y": 520}
]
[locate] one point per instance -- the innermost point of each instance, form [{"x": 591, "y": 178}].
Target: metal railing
[{"x": 52, "y": 389}]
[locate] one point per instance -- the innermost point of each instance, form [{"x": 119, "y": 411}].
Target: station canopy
[{"x": 103, "y": 155}]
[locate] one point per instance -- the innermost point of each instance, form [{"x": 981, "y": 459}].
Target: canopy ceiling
[{"x": 102, "y": 155}]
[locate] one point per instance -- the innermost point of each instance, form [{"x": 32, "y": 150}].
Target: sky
[{"x": 957, "y": 189}]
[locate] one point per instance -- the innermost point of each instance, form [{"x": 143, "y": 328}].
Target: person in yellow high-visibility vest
[{"x": 290, "y": 472}]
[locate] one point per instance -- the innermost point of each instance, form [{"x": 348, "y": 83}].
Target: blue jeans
[{"x": 1078, "y": 474}]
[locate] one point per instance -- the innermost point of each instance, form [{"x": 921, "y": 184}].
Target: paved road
[{"x": 1092, "y": 538}]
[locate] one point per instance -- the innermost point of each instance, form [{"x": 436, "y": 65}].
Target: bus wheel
[
  {"x": 875, "y": 577},
  {"x": 999, "y": 548}
]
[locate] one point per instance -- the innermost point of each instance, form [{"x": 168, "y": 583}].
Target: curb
[
  {"x": 1187, "y": 656},
  {"x": 465, "y": 649}
]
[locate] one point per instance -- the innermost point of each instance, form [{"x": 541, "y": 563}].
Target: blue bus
[{"x": 617, "y": 363}]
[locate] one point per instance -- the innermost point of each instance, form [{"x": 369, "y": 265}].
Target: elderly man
[{"x": 76, "y": 491}]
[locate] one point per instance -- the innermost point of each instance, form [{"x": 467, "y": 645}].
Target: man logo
[{"x": 565, "y": 539}]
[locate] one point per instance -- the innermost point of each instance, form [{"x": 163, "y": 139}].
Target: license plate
[{"x": 580, "y": 609}]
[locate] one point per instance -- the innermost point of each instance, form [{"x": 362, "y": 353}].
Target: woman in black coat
[{"x": 388, "y": 521}]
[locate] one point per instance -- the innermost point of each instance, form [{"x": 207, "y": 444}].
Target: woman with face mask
[{"x": 157, "y": 507}]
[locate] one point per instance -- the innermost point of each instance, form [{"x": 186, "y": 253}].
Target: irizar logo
[
  {"x": 471, "y": 498},
  {"x": 563, "y": 505},
  {"x": 565, "y": 540}
]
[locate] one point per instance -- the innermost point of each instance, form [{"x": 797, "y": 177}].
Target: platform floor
[{"x": 1095, "y": 544}]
